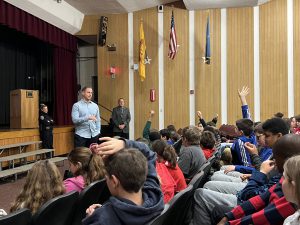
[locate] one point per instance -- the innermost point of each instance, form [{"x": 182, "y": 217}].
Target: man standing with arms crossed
[{"x": 86, "y": 118}]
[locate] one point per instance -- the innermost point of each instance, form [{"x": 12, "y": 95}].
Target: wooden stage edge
[{"x": 63, "y": 138}]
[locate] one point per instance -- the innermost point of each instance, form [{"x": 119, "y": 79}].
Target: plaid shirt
[{"x": 270, "y": 208}]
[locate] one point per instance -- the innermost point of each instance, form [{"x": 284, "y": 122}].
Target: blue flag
[{"x": 207, "y": 47}]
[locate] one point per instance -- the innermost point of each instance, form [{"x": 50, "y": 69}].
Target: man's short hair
[
  {"x": 275, "y": 125},
  {"x": 154, "y": 135},
  {"x": 165, "y": 133},
  {"x": 245, "y": 125},
  {"x": 208, "y": 140},
  {"x": 130, "y": 167},
  {"x": 192, "y": 135},
  {"x": 85, "y": 87}
]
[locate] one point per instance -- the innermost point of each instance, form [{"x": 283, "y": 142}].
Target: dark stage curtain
[
  {"x": 63, "y": 93},
  {"x": 25, "y": 63},
  {"x": 20, "y": 20},
  {"x": 65, "y": 83}
]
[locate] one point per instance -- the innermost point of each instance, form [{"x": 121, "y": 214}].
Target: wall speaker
[
  {"x": 102, "y": 31},
  {"x": 160, "y": 8}
]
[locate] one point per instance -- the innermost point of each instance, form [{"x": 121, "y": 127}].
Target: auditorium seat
[
  {"x": 173, "y": 212},
  {"x": 58, "y": 210},
  {"x": 20, "y": 217},
  {"x": 90, "y": 195},
  {"x": 195, "y": 182}
]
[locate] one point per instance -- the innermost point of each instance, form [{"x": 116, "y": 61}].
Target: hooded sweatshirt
[
  {"x": 74, "y": 184},
  {"x": 120, "y": 211}
]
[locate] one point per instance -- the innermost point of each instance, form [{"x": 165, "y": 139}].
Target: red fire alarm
[{"x": 152, "y": 95}]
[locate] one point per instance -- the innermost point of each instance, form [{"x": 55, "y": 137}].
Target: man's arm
[
  {"x": 75, "y": 115},
  {"x": 114, "y": 117},
  {"x": 98, "y": 121},
  {"x": 128, "y": 118}
]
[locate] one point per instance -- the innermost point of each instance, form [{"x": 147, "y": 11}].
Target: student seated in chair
[
  {"x": 133, "y": 184},
  {"x": 43, "y": 182},
  {"x": 86, "y": 168}
]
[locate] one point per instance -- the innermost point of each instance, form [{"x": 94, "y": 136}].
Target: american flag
[{"x": 173, "y": 41}]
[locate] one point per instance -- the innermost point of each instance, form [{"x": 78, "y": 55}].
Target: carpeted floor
[{"x": 9, "y": 189}]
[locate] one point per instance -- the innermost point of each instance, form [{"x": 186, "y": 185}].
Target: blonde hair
[
  {"x": 90, "y": 165},
  {"x": 292, "y": 172},
  {"x": 43, "y": 182}
]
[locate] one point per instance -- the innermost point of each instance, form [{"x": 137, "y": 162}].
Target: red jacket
[
  {"x": 167, "y": 182},
  {"x": 178, "y": 177}
]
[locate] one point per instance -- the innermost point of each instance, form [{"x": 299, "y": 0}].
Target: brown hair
[
  {"x": 130, "y": 167},
  {"x": 292, "y": 171},
  {"x": 91, "y": 166},
  {"x": 167, "y": 152},
  {"x": 192, "y": 135},
  {"x": 43, "y": 182},
  {"x": 208, "y": 140}
]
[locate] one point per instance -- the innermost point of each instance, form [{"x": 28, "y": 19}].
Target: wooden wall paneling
[
  {"x": 297, "y": 56},
  {"x": 90, "y": 25},
  {"x": 63, "y": 140},
  {"x": 142, "y": 103},
  {"x": 239, "y": 60},
  {"x": 110, "y": 90},
  {"x": 273, "y": 58},
  {"x": 208, "y": 77},
  {"x": 176, "y": 72}
]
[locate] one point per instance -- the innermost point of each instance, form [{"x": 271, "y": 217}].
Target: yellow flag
[{"x": 142, "y": 53}]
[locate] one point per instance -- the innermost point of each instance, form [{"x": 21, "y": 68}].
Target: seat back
[
  {"x": 195, "y": 182},
  {"x": 19, "y": 217},
  {"x": 90, "y": 195},
  {"x": 177, "y": 145},
  {"x": 206, "y": 169},
  {"x": 173, "y": 212},
  {"x": 58, "y": 210}
]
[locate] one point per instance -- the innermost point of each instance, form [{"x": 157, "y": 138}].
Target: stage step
[
  {"x": 24, "y": 155},
  {"x": 21, "y": 169},
  {"x": 20, "y": 144}
]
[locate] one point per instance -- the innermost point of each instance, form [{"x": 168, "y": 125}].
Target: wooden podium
[{"x": 24, "y": 108}]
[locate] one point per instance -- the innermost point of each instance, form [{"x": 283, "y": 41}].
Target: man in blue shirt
[{"x": 86, "y": 118}]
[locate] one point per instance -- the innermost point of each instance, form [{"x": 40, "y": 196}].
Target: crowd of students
[{"x": 257, "y": 179}]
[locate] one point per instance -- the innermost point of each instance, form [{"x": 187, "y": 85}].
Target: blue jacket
[
  {"x": 264, "y": 154},
  {"x": 119, "y": 211},
  {"x": 258, "y": 184},
  {"x": 239, "y": 154}
]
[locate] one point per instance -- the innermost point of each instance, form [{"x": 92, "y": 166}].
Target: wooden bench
[
  {"x": 21, "y": 169},
  {"x": 21, "y": 146},
  {"x": 11, "y": 158}
]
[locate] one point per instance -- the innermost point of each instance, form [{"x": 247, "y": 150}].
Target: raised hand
[{"x": 243, "y": 93}]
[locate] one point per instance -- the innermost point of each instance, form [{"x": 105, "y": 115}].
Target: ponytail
[
  {"x": 90, "y": 165},
  {"x": 170, "y": 156},
  {"x": 95, "y": 170}
]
